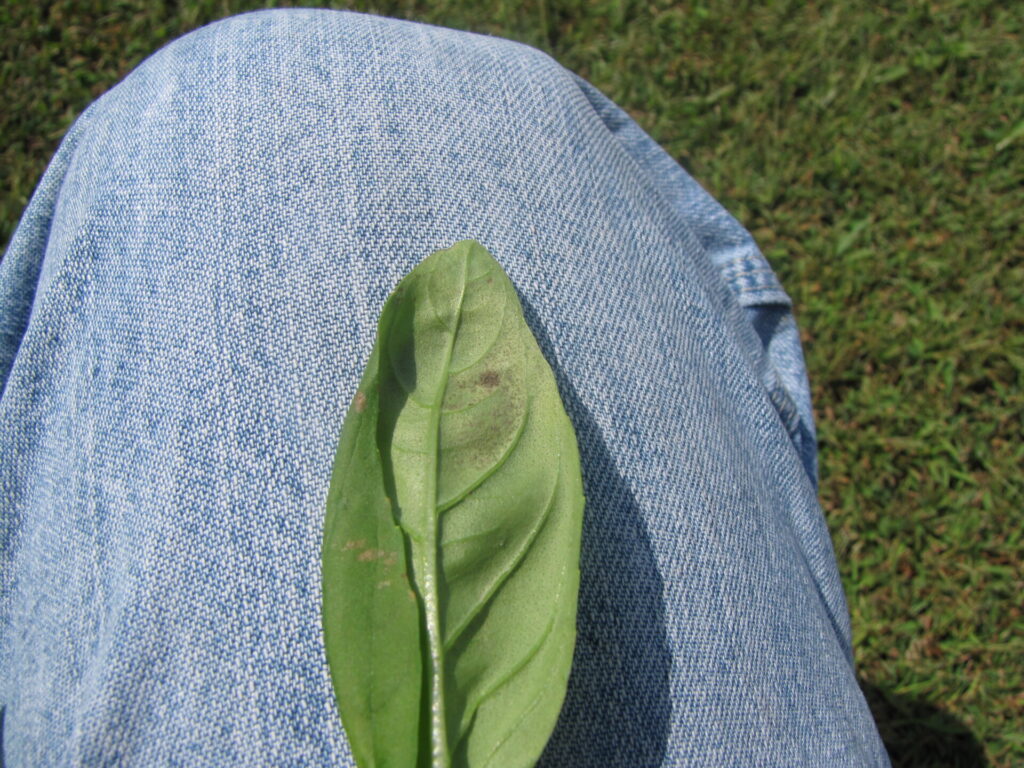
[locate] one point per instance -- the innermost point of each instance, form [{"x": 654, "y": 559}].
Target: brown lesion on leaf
[
  {"x": 371, "y": 554},
  {"x": 359, "y": 402},
  {"x": 490, "y": 379}
]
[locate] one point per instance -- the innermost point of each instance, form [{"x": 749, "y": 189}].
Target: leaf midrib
[{"x": 429, "y": 553}]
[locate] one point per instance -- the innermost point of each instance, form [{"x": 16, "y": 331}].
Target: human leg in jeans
[{"x": 186, "y": 307}]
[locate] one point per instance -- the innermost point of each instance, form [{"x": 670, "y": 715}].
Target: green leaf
[{"x": 451, "y": 543}]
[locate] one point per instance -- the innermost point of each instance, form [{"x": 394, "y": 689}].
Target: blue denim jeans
[{"x": 186, "y": 307}]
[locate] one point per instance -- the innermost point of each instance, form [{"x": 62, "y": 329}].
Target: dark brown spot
[{"x": 490, "y": 379}]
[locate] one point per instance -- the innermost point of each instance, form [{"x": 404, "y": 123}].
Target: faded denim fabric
[{"x": 185, "y": 310}]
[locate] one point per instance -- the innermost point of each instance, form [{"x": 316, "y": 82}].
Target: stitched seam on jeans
[
  {"x": 735, "y": 270},
  {"x": 760, "y": 289}
]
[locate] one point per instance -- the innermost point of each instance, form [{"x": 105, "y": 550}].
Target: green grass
[{"x": 877, "y": 156}]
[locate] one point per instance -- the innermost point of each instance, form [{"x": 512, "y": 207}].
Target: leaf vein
[
  {"x": 503, "y": 577},
  {"x": 515, "y": 670},
  {"x": 441, "y": 509},
  {"x": 488, "y": 349},
  {"x": 508, "y": 734}
]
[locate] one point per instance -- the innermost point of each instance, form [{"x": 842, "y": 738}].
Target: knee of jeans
[{"x": 277, "y": 56}]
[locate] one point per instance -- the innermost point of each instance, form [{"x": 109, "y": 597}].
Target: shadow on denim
[
  {"x": 617, "y": 707},
  {"x": 917, "y": 734}
]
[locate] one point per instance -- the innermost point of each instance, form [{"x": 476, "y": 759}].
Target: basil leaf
[{"x": 451, "y": 543}]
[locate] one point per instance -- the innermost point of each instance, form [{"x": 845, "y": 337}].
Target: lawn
[{"x": 877, "y": 155}]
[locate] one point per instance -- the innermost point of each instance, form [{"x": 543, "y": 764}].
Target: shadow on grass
[{"x": 917, "y": 734}]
